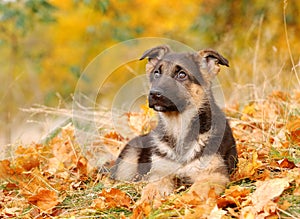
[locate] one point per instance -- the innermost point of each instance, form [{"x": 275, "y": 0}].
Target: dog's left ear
[
  {"x": 156, "y": 53},
  {"x": 210, "y": 61}
]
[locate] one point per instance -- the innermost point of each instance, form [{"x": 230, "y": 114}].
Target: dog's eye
[
  {"x": 181, "y": 75},
  {"x": 156, "y": 74}
]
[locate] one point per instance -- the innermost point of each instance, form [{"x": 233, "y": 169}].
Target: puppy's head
[{"x": 179, "y": 80}]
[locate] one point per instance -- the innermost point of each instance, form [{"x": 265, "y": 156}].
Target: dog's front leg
[
  {"x": 158, "y": 189},
  {"x": 212, "y": 174},
  {"x": 160, "y": 178},
  {"x": 203, "y": 185}
]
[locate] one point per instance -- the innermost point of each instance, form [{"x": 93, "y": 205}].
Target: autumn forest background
[{"x": 45, "y": 45}]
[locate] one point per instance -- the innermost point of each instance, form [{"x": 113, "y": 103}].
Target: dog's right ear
[{"x": 155, "y": 54}]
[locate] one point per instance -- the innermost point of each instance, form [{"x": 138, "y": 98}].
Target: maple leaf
[{"x": 45, "y": 200}]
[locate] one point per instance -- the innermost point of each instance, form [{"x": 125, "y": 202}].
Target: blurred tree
[{"x": 17, "y": 20}]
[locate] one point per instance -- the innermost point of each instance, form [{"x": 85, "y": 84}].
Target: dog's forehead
[{"x": 184, "y": 60}]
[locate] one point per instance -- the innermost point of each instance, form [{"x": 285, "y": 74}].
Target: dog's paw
[
  {"x": 206, "y": 189},
  {"x": 154, "y": 192}
]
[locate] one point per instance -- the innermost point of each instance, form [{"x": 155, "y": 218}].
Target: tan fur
[
  {"x": 128, "y": 166},
  {"x": 206, "y": 173},
  {"x": 197, "y": 95}
]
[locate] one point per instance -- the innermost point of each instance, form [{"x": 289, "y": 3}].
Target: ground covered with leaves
[{"x": 57, "y": 181}]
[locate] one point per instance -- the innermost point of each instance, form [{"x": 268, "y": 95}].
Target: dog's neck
[
  {"x": 180, "y": 125},
  {"x": 185, "y": 133}
]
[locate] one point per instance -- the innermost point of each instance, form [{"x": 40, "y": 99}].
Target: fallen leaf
[
  {"x": 248, "y": 166},
  {"x": 235, "y": 195},
  {"x": 113, "y": 139},
  {"x": 285, "y": 163},
  {"x": 268, "y": 190},
  {"x": 141, "y": 211},
  {"x": 45, "y": 199},
  {"x": 115, "y": 198},
  {"x": 293, "y": 128}
]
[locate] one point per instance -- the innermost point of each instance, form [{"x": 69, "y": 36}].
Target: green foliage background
[{"x": 45, "y": 44}]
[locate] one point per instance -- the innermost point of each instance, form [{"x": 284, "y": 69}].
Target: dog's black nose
[{"x": 155, "y": 94}]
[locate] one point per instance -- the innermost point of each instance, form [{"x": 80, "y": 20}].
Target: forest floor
[{"x": 55, "y": 180}]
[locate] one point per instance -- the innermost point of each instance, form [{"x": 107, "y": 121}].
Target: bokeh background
[{"x": 46, "y": 44}]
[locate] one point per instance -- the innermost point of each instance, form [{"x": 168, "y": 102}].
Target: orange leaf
[
  {"x": 82, "y": 165},
  {"x": 285, "y": 163},
  {"x": 233, "y": 196},
  {"x": 113, "y": 138},
  {"x": 115, "y": 198},
  {"x": 293, "y": 128},
  {"x": 5, "y": 169},
  {"x": 45, "y": 199},
  {"x": 141, "y": 211},
  {"x": 29, "y": 158}
]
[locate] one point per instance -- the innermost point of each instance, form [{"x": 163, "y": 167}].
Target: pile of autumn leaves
[{"x": 56, "y": 180}]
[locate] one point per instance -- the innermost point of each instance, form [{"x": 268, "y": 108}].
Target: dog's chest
[
  {"x": 179, "y": 138},
  {"x": 180, "y": 151}
]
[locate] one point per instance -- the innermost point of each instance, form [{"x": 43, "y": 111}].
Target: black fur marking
[
  {"x": 205, "y": 118},
  {"x": 144, "y": 161}
]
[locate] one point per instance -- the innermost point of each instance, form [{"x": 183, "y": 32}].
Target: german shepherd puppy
[{"x": 192, "y": 143}]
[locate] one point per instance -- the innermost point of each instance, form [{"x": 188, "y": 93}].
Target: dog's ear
[
  {"x": 155, "y": 54},
  {"x": 210, "y": 61}
]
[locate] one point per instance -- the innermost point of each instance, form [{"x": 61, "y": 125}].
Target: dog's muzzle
[{"x": 159, "y": 102}]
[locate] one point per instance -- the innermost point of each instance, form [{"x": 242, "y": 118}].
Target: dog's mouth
[
  {"x": 162, "y": 107},
  {"x": 159, "y": 108}
]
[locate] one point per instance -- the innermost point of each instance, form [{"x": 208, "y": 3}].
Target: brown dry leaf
[
  {"x": 5, "y": 170},
  {"x": 45, "y": 200},
  {"x": 266, "y": 191},
  {"x": 141, "y": 211},
  {"x": 113, "y": 139},
  {"x": 235, "y": 195},
  {"x": 247, "y": 167},
  {"x": 115, "y": 198},
  {"x": 285, "y": 163},
  {"x": 30, "y": 183},
  {"x": 28, "y": 159},
  {"x": 82, "y": 165},
  {"x": 293, "y": 128}
]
